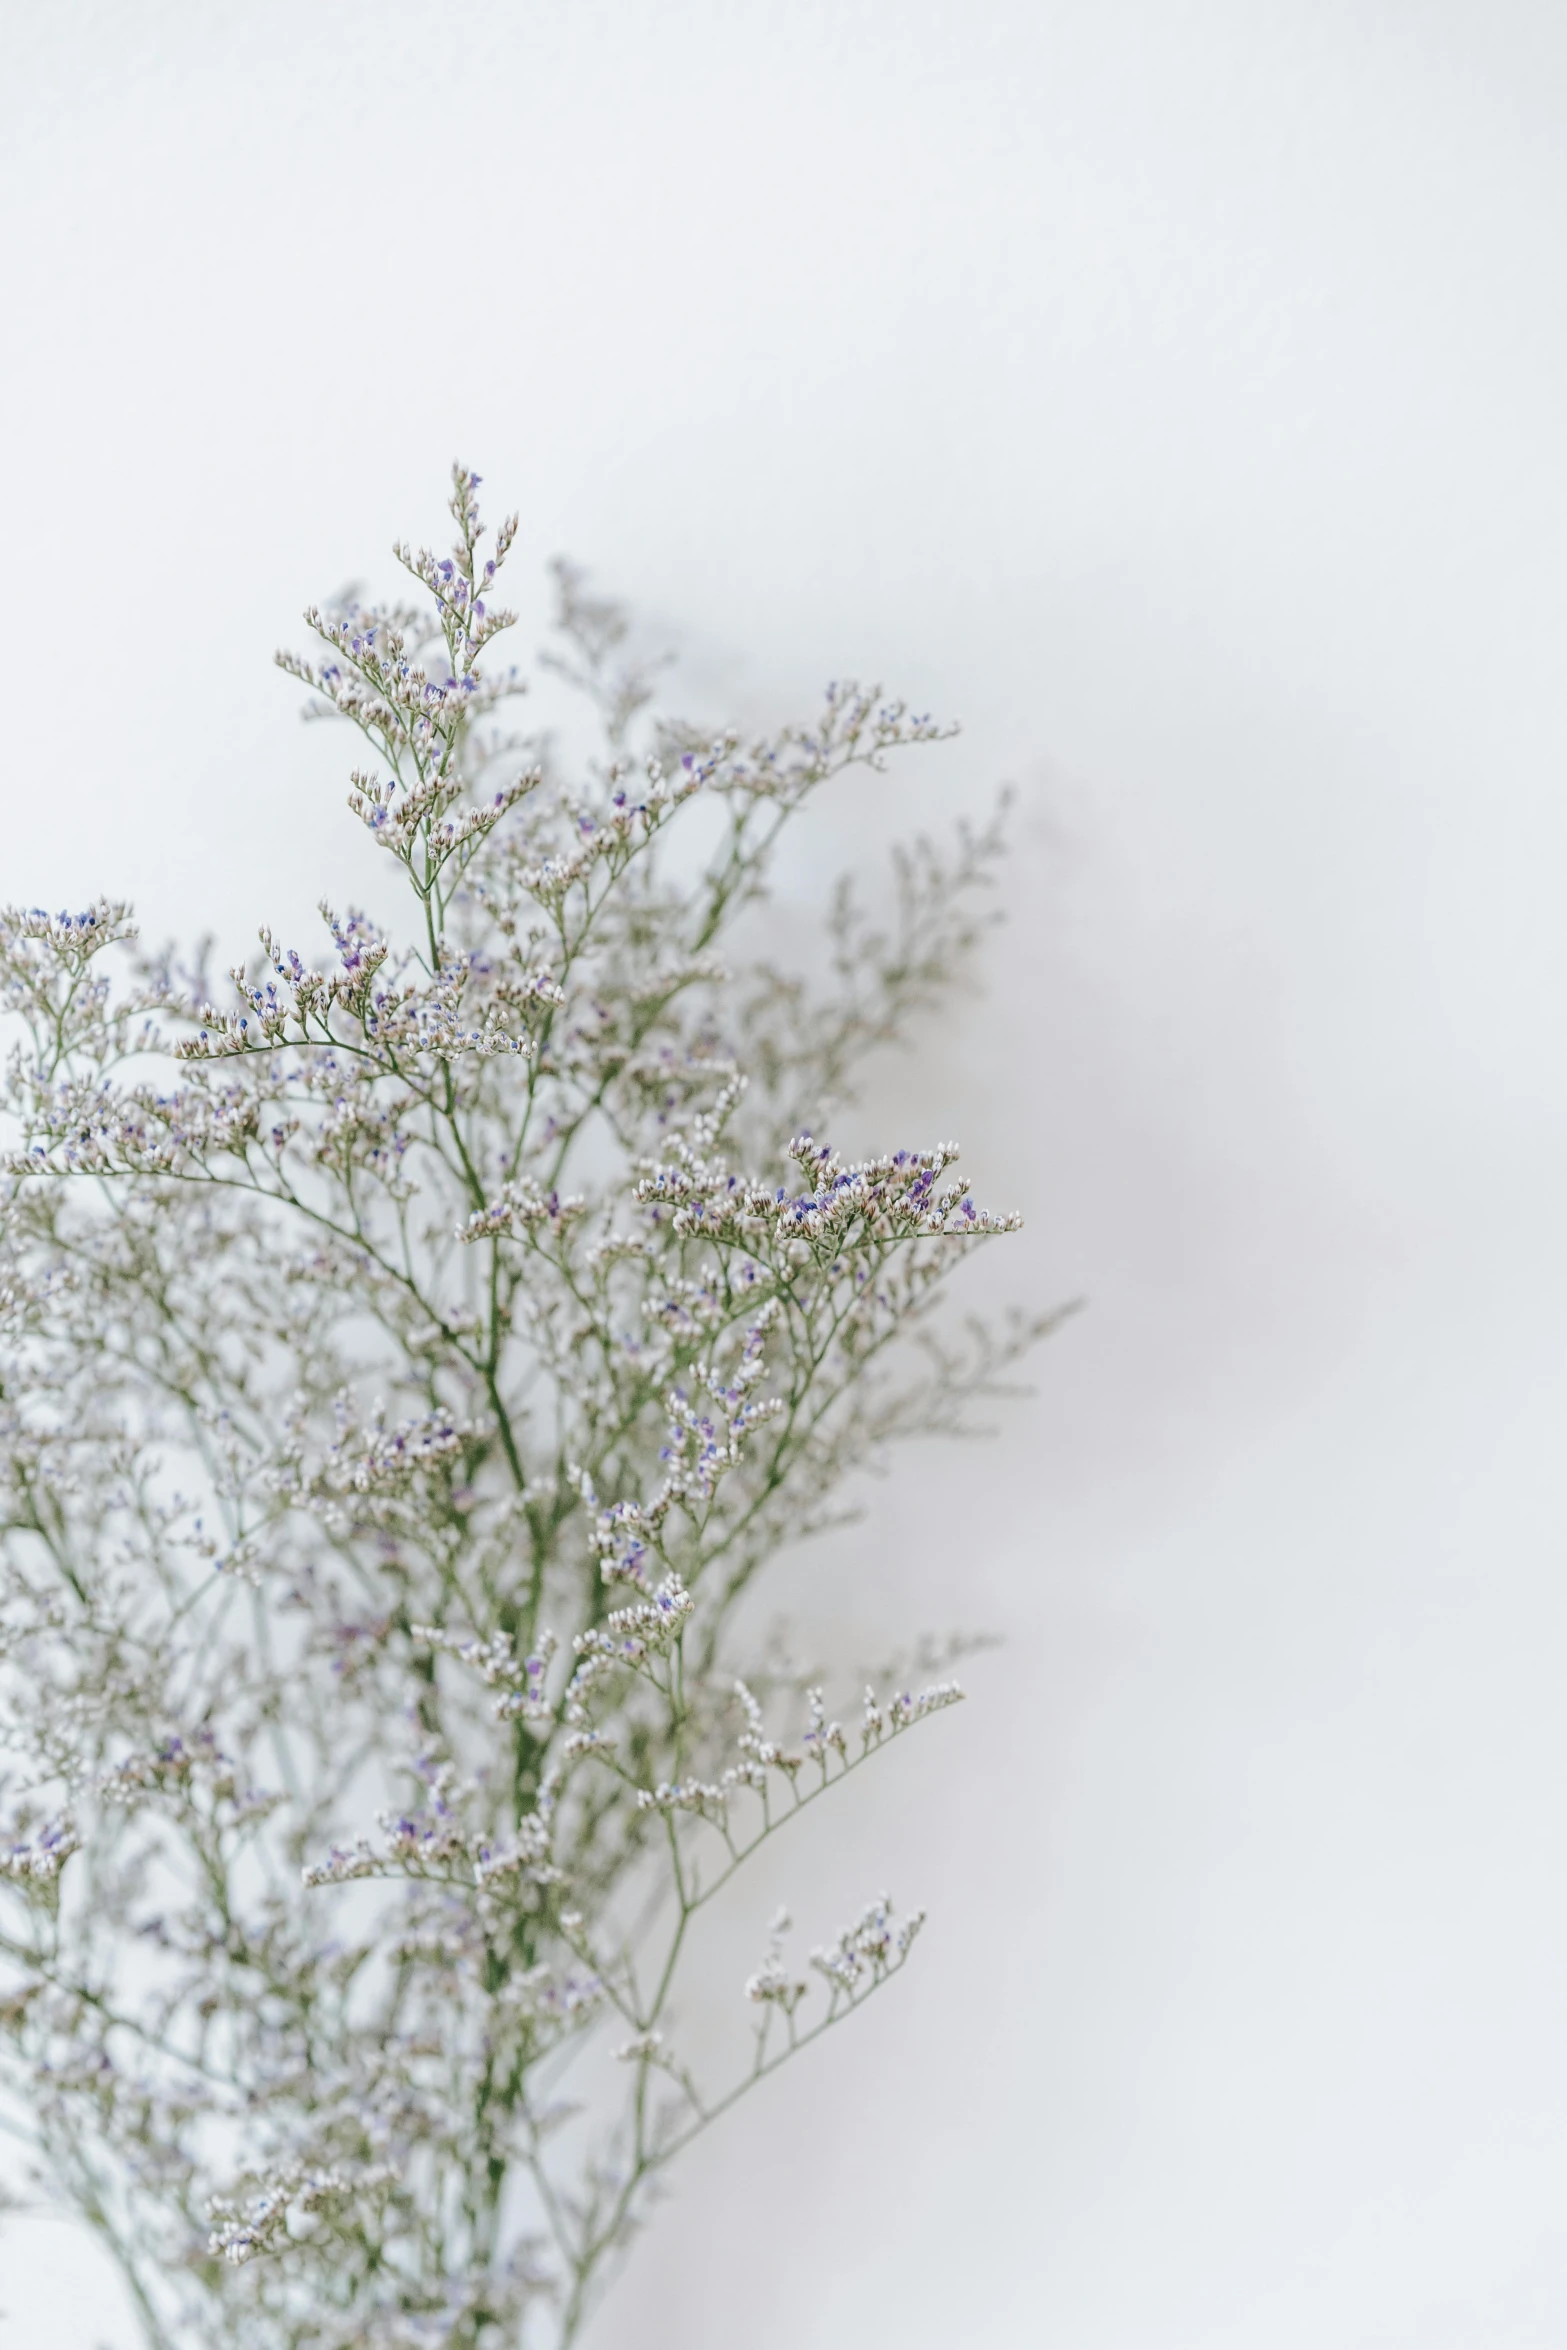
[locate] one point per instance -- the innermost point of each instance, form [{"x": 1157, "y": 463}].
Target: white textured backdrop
[{"x": 1175, "y": 389}]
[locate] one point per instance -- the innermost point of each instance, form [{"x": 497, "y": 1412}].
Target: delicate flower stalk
[{"x": 409, "y": 1360}]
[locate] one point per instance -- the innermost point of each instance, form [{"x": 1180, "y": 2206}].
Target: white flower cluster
[
  {"x": 181, "y": 1765},
  {"x": 628, "y": 1636},
  {"x": 774, "y": 1984},
  {"x": 39, "y": 1858},
  {"x": 543, "y": 1996},
  {"x": 441, "y": 1841},
  {"x": 495, "y": 1660},
  {"x": 605, "y": 837},
  {"x": 521, "y": 1208},
  {"x": 868, "y": 1951},
  {"x": 246, "y": 2227},
  {"x": 372, "y": 1456},
  {"x": 885, "y": 1199},
  {"x": 401, "y": 1010},
  {"x": 823, "y": 1744},
  {"x": 903, "y": 1709},
  {"x": 401, "y": 820},
  {"x": 71, "y": 937}
]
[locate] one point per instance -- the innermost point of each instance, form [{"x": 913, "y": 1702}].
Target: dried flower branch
[{"x": 406, "y": 1368}]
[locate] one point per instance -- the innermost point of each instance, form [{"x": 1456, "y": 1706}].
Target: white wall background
[{"x": 1175, "y": 388}]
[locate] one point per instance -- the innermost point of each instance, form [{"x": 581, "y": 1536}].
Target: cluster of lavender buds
[{"x": 410, "y": 1360}]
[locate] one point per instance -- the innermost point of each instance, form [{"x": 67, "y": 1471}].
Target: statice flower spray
[{"x": 411, "y": 1358}]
